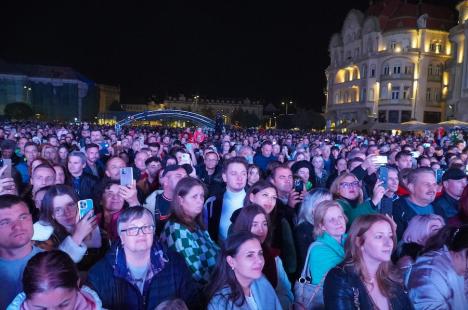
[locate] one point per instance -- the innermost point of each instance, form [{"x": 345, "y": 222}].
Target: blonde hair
[
  {"x": 335, "y": 187},
  {"x": 418, "y": 228},
  {"x": 320, "y": 212}
]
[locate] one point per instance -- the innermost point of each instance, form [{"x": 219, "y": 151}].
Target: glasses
[
  {"x": 60, "y": 211},
  {"x": 134, "y": 231},
  {"x": 350, "y": 184}
]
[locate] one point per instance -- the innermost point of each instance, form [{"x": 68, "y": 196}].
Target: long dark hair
[
  {"x": 49, "y": 270},
  {"x": 456, "y": 239},
  {"x": 223, "y": 275},
  {"x": 47, "y": 208},
  {"x": 246, "y": 216},
  {"x": 177, "y": 213},
  {"x": 255, "y": 188}
]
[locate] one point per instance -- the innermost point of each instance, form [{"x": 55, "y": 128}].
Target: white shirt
[{"x": 231, "y": 202}]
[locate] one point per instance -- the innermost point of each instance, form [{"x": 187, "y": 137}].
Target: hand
[
  {"x": 129, "y": 194},
  {"x": 378, "y": 192},
  {"x": 84, "y": 227},
  {"x": 369, "y": 164},
  {"x": 294, "y": 198},
  {"x": 7, "y": 185}
]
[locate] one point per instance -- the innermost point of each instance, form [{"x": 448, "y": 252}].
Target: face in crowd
[{"x": 235, "y": 177}]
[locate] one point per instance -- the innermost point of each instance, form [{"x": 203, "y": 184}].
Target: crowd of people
[{"x": 168, "y": 218}]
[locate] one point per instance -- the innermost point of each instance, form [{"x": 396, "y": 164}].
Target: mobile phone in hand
[
  {"x": 84, "y": 207},
  {"x": 298, "y": 185},
  {"x": 7, "y": 173},
  {"x": 439, "y": 174},
  {"x": 383, "y": 176},
  {"x": 126, "y": 176}
]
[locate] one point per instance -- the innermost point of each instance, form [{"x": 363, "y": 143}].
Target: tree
[
  {"x": 308, "y": 119},
  {"x": 18, "y": 110},
  {"x": 244, "y": 118}
]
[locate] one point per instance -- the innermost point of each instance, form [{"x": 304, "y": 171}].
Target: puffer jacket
[
  {"x": 168, "y": 278},
  {"x": 433, "y": 283},
  {"x": 344, "y": 290}
]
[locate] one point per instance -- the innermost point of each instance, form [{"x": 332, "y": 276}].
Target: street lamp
[{"x": 286, "y": 105}]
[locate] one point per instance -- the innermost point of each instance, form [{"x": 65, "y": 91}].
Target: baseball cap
[{"x": 453, "y": 174}]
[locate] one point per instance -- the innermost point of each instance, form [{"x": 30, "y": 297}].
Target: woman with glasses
[
  {"x": 59, "y": 227},
  {"x": 138, "y": 273},
  {"x": 185, "y": 231},
  {"x": 436, "y": 279},
  {"x": 327, "y": 250},
  {"x": 346, "y": 189}
]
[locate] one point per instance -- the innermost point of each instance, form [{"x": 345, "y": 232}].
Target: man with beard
[{"x": 422, "y": 187}]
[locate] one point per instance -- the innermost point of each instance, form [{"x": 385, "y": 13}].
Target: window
[
  {"x": 386, "y": 70},
  {"x": 383, "y": 92},
  {"x": 396, "y": 69},
  {"x": 431, "y": 117},
  {"x": 405, "y": 116},
  {"x": 372, "y": 71},
  {"x": 429, "y": 69},
  {"x": 395, "y": 92},
  {"x": 393, "y": 45},
  {"x": 393, "y": 116},
  {"x": 428, "y": 94},
  {"x": 356, "y": 52},
  {"x": 382, "y": 116},
  {"x": 437, "y": 70},
  {"x": 346, "y": 76},
  {"x": 363, "y": 94},
  {"x": 337, "y": 98},
  {"x": 364, "y": 71},
  {"x": 406, "y": 92},
  {"x": 407, "y": 69},
  {"x": 371, "y": 94},
  {"x": 436, "y": 94}
]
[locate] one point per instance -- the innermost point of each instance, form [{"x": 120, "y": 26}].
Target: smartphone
[
  {"x": 126, "y": 176},
  {"x": 383, "y": 176},
  {"x": 381, "y": 160},
  {"x": 7, "y": 172},
  {"x": 415, "y": 154},
  {"x": 298, "y": 185},
  {"x": 84, "y": 207},
  {"x": 185, "y": 159},
  {"x": 426, "y": 145},
  {"x": 188, "y": 146},
  {"x": 439, "y": 174}
]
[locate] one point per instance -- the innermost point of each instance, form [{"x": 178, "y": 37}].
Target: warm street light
[{"x": 286, "y": 105}]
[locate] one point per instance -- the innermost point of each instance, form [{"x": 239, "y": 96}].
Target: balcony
[
  {"x": 434, "y": 78},
  {"x": 404, "y": 102},
  {"x": 395, "y": 76}
]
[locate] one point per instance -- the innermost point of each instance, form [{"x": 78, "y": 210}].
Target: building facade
[
  {"x": 53, "y": 92},
  {"x": 390, "y": 64}
]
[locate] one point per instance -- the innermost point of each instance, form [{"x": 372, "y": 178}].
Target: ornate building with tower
[{"x": 391, "y": 64}]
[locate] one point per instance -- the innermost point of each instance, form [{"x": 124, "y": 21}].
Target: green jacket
[
  {"x": 325, "y": 253},
  {"x": 363, "y": 208}
]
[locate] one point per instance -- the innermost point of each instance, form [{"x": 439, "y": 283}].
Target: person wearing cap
[
  {"x": 159, "y": 201},
  {"x": 453, "y": 182}
]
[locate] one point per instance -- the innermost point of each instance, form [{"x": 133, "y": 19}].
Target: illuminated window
[{"x": 395, "y": 92}]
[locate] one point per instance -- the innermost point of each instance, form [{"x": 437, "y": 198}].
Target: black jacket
[
  {"x": 85, "y": 186},
  {"x": 343, "y": 289},
  {"x": 448, "y": 204},
  {"x": 403, "y": 213}
]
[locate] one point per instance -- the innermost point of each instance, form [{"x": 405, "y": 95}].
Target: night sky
[{"x": 266, "y": 50}]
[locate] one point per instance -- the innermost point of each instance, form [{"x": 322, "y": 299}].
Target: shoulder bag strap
[{"x": 305, "y": 270}]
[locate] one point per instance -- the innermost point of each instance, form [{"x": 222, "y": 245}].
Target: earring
[{"x": 232, "y": 267}]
